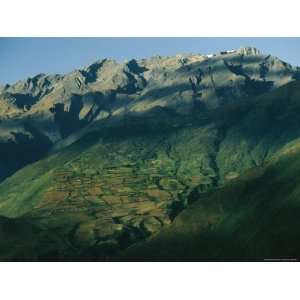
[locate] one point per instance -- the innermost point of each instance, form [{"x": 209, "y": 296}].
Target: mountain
[
  {"x": 109, "y": 158},
  {"x": 49, "y": 111}
]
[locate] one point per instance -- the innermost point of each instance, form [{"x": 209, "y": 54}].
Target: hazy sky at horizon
[{"x": 24, "y": 57}]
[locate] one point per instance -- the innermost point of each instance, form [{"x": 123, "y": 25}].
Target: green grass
[{"x": 254, "y": 218}]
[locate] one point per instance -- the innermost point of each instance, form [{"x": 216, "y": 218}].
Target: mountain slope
[
  {"x": 254, "y": 218},
  {"x": 113, "y": 187}
]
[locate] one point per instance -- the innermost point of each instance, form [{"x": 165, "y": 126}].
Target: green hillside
[
  {"x": 254, "y": 218},
  {"x": 130, "y": 178}
]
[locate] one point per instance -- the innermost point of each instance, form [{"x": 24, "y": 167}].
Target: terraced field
[
  {"x": 115, "y": 193},
  {"x": 254, "y": 218},
  {"x": 122, "y": 184}
]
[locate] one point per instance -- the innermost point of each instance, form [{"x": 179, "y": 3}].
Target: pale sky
[{"x": 24, "y": 57}]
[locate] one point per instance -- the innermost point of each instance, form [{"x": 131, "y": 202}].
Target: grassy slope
[
  {"x": 19, "y": 193},
  {"x": 256, "y": 129},
  {"x": 253, "y": 218},
  {"x": 21, "y": 240},
  {"x": 169, "y": 160},
  {"x": 233, "y": 140}
]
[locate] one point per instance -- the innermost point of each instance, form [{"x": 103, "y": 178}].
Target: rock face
[{"x": 122, "y": 149}]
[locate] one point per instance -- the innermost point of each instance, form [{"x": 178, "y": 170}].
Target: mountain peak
[{"x": 248, "y": 50}]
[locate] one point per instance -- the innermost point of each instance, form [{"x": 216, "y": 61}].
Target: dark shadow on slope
[
  {"x": 251, "y": 86},
  {"x": 21, "y": 151},
  {"x": 135, "y": 68},
  {"x": 165, "y": 91}
]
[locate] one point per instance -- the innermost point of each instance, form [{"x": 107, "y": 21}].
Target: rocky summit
[{"x": 102, "y": 159}]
